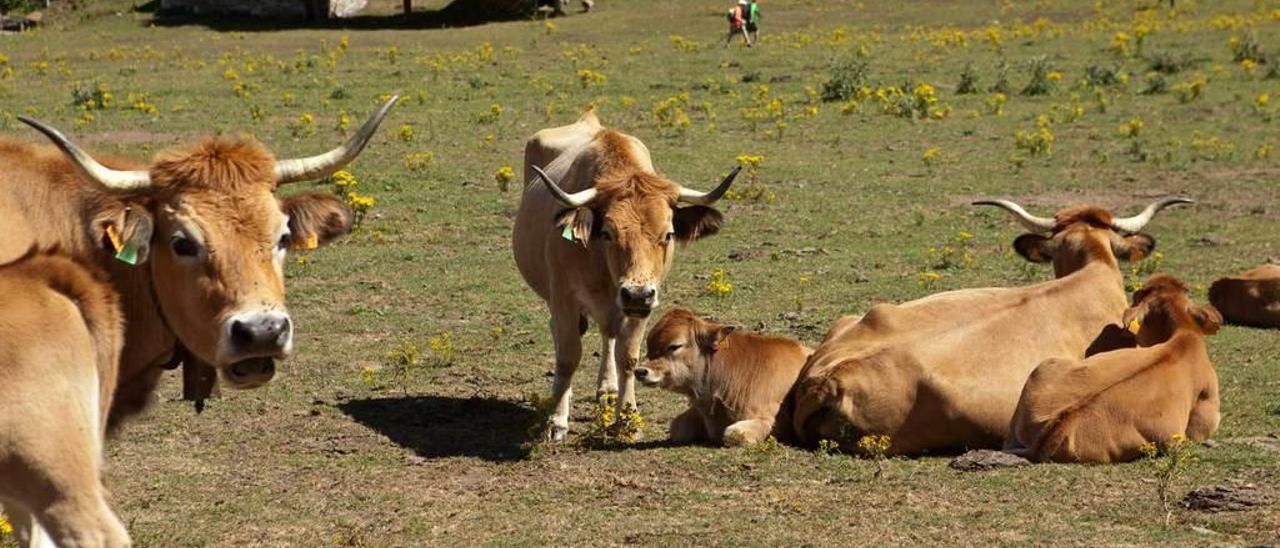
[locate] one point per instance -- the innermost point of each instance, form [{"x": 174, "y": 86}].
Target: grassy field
[{"x": 855, "y": 201}]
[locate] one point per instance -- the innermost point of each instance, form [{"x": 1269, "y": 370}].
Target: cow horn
[
  {"x": 1031, "y": 222},
  {"x": 577, "y": 199},
  {"x": 324, "y": 165},
  {"x": 90, "y": 168},
  {"x": 1136, "y": 222},
  {"x": 691, "y": 196}
]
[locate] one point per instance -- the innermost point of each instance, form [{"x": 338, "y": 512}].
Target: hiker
[
  {"x": 737, "y": 23},
  {"x": 753, "y": 22}
]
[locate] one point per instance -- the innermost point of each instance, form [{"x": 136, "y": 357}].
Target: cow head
[
  {"x": 207, "y": 223},
  {"x": 679, "y": 349},
  {"x": 1164, "y": 305},
  {"x": 1080, "y": 235},
  {"x": 635, "y": 218}
]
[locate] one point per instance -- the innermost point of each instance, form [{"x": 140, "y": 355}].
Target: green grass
[{"x": 322, "y": 457}]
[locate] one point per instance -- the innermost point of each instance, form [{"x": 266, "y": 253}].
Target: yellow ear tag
[
  {"x": 1134, "y": 326},
  {"x": 311, "y": 242},
  {"x": 114, "y": 235}
]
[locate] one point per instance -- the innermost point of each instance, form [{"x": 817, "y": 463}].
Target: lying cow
[
  {"x": 194, "y": 243},
  {"x": 61, "y": 332},
  {"x": 595, "y": 239},
  {"x": 943, "y": 373},
  {"x": 1252, "y": 299},
  {"x": 735, "y": 380},
  {"x": 1104, "y": 408}
]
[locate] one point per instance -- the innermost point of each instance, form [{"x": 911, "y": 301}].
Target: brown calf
[
  {"x": 735, "y": 380},
  {"x": 1252, "y": 299},
  {"x": 1104, "y": 408}
]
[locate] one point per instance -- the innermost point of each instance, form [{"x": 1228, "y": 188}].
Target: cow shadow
[
  {"x": 459, "y": 13},
  {"x": 441, "y": 426}
]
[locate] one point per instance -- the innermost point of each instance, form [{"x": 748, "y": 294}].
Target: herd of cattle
[{"x": 127, "y": 270}]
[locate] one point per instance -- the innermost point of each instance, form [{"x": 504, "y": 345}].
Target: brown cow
[
  {"x": 735, "y": 380},
  {"x": 1104, "y": 408},
  {"x": 944, "y": 372},
  {"x": 61, "y": 332},
  {"x": 597, "y": 245},
  {"x": 1252, "y": 299},
  {"x": 200, "y": 236}
]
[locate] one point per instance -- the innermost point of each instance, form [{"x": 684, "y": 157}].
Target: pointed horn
[
  {"x": 111, "y": 179},
  {"x": 577, "y": 199},
  {"x": 1136, "y": 222},
  {"x": 324, "y": 165},
  {"x": 1031, "y": 222},
  {"x": 691, "y": 196}
]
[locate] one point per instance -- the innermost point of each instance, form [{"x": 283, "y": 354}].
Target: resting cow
[
  {"x": 194, "y": 243},
  {"x": 735, "y": 380},
  {"x": 595, "y": 241},
  {"x": 60, "y": 337},
  {"x": 1252, "y": 299},
  {"x": 1104, "y": 408},
  {"x": 943, "y": 373}
]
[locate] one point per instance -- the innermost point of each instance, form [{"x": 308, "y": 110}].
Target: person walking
[
  {"x": 737, "y": 23},
  {"x": 753, "y": 22}
]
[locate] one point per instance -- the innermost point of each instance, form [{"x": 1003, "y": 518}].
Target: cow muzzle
[
  {"x": 250, "y": 373},
  {"x": 648, "y": 377},
  {"x": 637, "y": 301},
  {"x": 259, "y": 334}
]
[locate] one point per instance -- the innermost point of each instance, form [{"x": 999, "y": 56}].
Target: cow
[
  {"x": 1253, "y": 299},
  {"x": 736, "y": 381},
  {"x": 944, "y": 372},
  {"x": 61, "y": 332},
  {"x": 194, "y": 243},
  {"x": 1105, "y": 408},
  {"x": 595, "y": 240}
]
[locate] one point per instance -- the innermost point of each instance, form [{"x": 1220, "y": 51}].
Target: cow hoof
[{"x": 557, "y": 432}]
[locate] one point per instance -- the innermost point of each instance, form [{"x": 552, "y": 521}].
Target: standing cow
[
  {"x": 60, "y": 337},
  {"x": 944, "y": 372},
  {"x": 595, "y": 240},
  {"x": 194, "y": 243}
]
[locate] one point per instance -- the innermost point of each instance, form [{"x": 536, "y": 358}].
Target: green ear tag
[
  {"x": 128, "y": 255},
  {"x": 567, "y": 233}
]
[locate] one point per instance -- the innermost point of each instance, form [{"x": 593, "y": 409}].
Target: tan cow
[
  {"x": 595, "y": 240},
  {"x": 943, "y": 373},
  {"x": 1252, "y": 299},
  {"x": 1104, "y": 408},
  {"x": 735, "y": 380},
  {"x": 199, "y": 239},
  {"x": 61, "y": 332}
]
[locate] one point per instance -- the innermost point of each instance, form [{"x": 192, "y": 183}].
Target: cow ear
[
  {"x": 576, "y": 225},
  {"x": 1207, "y": 317},
  {"x": 720, "y": 337},
  {"x": 315, "y": 218},
  {"x": 1034, "y": 248},
  {"x": 695, "y": 222},
  {"x": 1133, "y": 317},
  {"x": 125, "y": 233},
  {"x": 1134, "y": 247}
]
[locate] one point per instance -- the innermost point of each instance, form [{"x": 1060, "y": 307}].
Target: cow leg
[
  {"x": 607, "y": 381},
  {"x": 747, "y": 432},
  {"x": 628, "y": 356},
  {"x": 1205, "y": 416},
  {"x": 568, "y": 340},
  {"x": 686, "y": 428},
  {"x": 25, "y": 528}
]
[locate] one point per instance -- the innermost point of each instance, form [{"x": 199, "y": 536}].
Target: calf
[
  {"x": 1252, "y": 299},
  {"x": 60, "y": 338},
  {"x": 1104, "y": 408},
  {"x": 735, "y": 380}
]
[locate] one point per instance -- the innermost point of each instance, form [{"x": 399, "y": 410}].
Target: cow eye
[
  {"x": 606, "y": 235},
  {"x": 185, "y": 247},
  {"x": 666, "y": 238},
  {"x": 671, "y": 349},
  {"x": 284, "y": 241}
]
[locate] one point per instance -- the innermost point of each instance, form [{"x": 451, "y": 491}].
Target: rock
[
  {"x": 1222, "y": 498},
  {"x": 1269, "y": 442},
  {"x": 986, "y": 459}
]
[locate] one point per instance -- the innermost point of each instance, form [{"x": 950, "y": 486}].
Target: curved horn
[
  {"x": 324, "y": 165},
  {"x": 90, "y": 168},
  {"x": 1031, "y": 222},
  {"x": 577, "y": 199},
  {"x": 1136, "y": 222},
  {"x": 691, "y": 196}
]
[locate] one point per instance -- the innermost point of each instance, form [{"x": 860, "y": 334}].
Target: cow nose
[
  {"x": 264, "y": 332},
  {"x": 642, "y": 373},
  {"x": 638, "y": 296}
]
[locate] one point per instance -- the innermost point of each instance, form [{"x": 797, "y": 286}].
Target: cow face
[
  {"x": 1162, "y": 306},
  {"x": 208, "y": 225},
  {"x": 679, "y": 348},
  {"x": 634, "y": 220}
]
